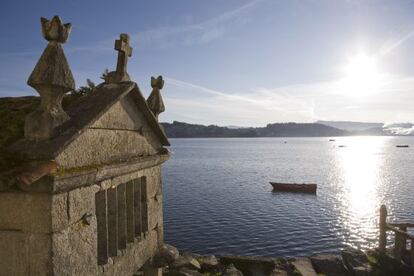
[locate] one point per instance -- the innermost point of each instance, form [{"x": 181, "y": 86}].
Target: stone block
[
  {"x": 40, "y": 248},
  {"x": 59, "y": 212},
  {"x": 13, "y": 253},
  {"x": 304, "y": 266},
  {"x": 112, "y": 146},
  {"x": 25, "y": 212},
  {"x": 24, "y": 254},
  {"x": 134, "y": 257},
  {"x": 154, "y": 213},
  {"x": 75, "y": 250},
  {"x": 81, "y": 201}
]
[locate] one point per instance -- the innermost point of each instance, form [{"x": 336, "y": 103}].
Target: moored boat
[{"x": 294, "y": 188}]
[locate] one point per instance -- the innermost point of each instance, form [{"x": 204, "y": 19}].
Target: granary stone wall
[
  {"x": 85, "y": 196},
  {"x": 75, "y": 249},
  {"x": 64, "y": 227}
]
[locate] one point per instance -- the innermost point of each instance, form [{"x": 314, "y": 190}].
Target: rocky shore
[{"x": 350, "y": 261}]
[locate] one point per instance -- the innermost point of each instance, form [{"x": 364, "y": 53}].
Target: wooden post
[
  {"x": 383, "y": 229},
  {"x": 412, "y": 252},
  {"x": 398, "y": 247},
  {"x": 404, "y": 240}
]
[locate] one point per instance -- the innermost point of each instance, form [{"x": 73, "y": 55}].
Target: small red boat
[{"x": 294, "y": 188}]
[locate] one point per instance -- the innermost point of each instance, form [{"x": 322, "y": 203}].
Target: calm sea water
[{"x": 218, "y": 199}]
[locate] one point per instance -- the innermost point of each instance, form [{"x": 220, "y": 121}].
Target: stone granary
[{"x": 80, "y": 188}]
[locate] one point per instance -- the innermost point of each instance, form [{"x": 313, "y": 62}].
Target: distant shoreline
[{"x": 281, "y": 130}]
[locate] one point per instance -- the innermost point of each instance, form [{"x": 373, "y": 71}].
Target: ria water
[{"x": 218, "y": 199}]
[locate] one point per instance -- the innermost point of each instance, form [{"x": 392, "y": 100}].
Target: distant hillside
[
  {"x": 351, "y": 126},
  {"x": 184, "y": 130}
]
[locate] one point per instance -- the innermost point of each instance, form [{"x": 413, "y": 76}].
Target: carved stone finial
[
  {"x": 51, "y": 78},
  {"x": 155, "y": 101},
  {"x": 124, "y": 51},
  {"x": 55, "y": 30}
]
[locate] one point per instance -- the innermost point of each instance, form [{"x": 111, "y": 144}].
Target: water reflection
[{"x": 360, "y": 164}]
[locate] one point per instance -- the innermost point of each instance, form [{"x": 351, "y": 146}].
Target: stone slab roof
[{"x": 82, "y": 112}]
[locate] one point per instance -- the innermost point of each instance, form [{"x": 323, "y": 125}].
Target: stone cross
[{"x": 124, "y": 51}]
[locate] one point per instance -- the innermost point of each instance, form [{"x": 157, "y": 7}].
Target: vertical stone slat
[
  {"x": 137, "y": 208},
  {"x": 144, "y": 204},
  {"x": 130, "y": 211},
  {"x": 112, "y": 222},
  {"x": 101, "y": 217},
  {"x": 122, "y": 217}
]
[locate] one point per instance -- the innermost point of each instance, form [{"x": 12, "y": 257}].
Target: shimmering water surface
[{"x": 218, "y": 198}]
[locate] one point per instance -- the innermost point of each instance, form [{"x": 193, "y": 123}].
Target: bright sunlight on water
[{"x": 218, "y": 198}]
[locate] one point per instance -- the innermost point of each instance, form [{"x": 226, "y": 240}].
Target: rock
[
  {"x": 304, "y": 266},
  {"x": 165, "y": 255},
  {"x": 329, "y": 265},
  {"x": 231, "y": 270},
  {"x": 278, "y": 272},
  {"x": 192, "y": 255},
  {"x": 209, "y": 263},
  {"x": 184, "y": 272},
  {"x": 187, "y": 262},
  {"x": 362, "y": 271},
  {"x": 356, "y": 261}
]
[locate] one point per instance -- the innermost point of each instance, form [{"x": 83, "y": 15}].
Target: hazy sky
[{"x": 231, "y": 62}]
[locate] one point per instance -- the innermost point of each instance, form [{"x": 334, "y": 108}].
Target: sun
[{"x": 362, "y": 77}]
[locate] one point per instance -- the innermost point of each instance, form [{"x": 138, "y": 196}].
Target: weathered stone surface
[
  {"x": 59, "y": 212},
  {"x": 249, "y": 265},
  {"x": 209, "y": 263},
  {"x": 124, "y": 51},
  {"x": 155, "y": 211},
  {"x": 329, "y": 265},
  {"x": 231, "y": 270},
  {"x": 74, "y": 250},
  {"x": 278, "y": 272},
  {"x": 24, "y": 254},
  {"x": 81, "y": 201},
  {"x": 25, "y": 212},
  {"x": 51, "y": 78},
  {"x": 99, "y": 147},
  {"x": 105, "y": 150},
  {"x": 165, "y": 256},
  {"x": 55, "y": 30},
  {"x": 304, "y": 266},
  {"x": 133, "y": 257},
  {"x": 184, "y": 272},
  {"x": 187, "y": 262},
  {"x": 154, "y": 100},
  {"x": 356, "y": 261}
]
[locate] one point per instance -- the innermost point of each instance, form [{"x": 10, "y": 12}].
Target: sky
[{"x": 233, "y": 62}]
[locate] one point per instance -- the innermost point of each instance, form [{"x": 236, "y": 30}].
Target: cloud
[
  {"x": 253, "y": 107},
  {"x": 389, "y": 47},
  {"x": 195, "y": 33},
  {"x": 399, "y": 129},
  {"x": 300, "y": 102}
]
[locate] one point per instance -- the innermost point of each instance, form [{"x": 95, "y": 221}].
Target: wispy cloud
[
  {"x": 389, "y": 47},
  {"x": 195, "y": 33},
  {"x": 254, "y": 107},
  {"x": 301, "y": 102}
]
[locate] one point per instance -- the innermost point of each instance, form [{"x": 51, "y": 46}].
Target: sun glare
[{"x": 362, "y": 77}]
